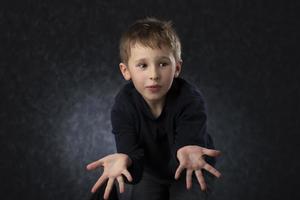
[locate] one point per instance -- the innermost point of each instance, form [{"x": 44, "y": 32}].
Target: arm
[
  {"x": 128, "y": 161},
  {"x": 191, "y": 142},
  {"x": 191, "y": 124},
  {"x": 127, "y": 140}
]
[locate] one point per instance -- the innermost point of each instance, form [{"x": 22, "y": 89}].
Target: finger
[
  {"x": 211, "y": 152},
  {"x": 189, "y": 174},
  {"x": 108, "y": 188},
  {"x": 178, "y": 171},
  {"x": 200, "y": 179},
  {"x": 100, "y": 181},
  {"x": 95, "y": 164},
  {"x": 121, "y": 183},
  {"x": 127, "y": 175},
  {"x": 212, "y": 170}
]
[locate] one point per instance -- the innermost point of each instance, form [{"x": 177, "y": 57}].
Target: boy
[{"x": 158, "y": 120}]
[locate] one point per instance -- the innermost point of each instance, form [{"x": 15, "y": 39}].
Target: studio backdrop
[{"x": 59, "y": 75}]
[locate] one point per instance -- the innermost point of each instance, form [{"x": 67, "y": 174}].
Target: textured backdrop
[{"x": 59, "y": 74}]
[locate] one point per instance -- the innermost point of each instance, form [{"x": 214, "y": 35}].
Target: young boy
[{"x": 158, "y": 120}]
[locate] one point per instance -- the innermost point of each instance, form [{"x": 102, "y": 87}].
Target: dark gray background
[{"x": 59, "y": 74}]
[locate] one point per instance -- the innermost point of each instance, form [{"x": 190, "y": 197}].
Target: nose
[{"x": 154, "y": 74}]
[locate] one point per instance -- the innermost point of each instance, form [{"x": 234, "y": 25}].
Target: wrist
[{"x": 127, "y": 159}]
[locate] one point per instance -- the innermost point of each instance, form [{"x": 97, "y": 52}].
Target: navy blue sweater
[{"x": 151, "y": 142}]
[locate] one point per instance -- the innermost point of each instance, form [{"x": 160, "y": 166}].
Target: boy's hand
[
  {"x": 191, "y": 158},
  {"x": 114, "y": 166}
]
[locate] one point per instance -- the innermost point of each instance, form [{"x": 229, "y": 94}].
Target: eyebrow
[
  {"x": 159, "y": 58},
  {"x": 164, "y": 57},
  {"x": 140, "y": 60}
]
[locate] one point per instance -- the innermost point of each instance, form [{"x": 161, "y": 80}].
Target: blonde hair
[{"x": 150, "y": 32}]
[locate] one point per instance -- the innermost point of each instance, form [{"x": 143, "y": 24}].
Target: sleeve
[
  {"x": 191, "y": 124},
  {"x": 127, "y": 140}
]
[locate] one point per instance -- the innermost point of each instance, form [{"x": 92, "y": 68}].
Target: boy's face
[{"x": 152, "y": 71}]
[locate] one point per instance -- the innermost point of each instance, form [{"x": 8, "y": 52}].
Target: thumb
[
  {"x": 178, "y": 171},
  {"x": 95, "y": 165},
  {"x": 211, "y": 152}
]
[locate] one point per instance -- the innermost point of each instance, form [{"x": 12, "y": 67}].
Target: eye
[
  {"x": 141, "y": 65},
  {"x": 163, "y": 64}
]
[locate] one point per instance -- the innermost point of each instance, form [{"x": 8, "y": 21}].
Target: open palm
[
  {"x": 115, "y": 166},
  {"x": 191, "y": 158}
]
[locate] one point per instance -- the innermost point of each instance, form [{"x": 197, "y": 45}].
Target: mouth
[{"x": 153, "y": 88}]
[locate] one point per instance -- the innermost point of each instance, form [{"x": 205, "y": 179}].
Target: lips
[{"x": 153, "y": 86}]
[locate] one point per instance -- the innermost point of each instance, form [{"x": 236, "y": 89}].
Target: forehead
[{"x": 139, "y": 50}]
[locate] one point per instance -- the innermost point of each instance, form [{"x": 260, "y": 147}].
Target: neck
[{"x": 156, "y": 107}]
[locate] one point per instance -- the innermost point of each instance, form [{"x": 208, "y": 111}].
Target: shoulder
[
  {"x": 185, "y": 98},
  {"x": 189, "y": 102},
  {"x": 187, "y": 91},
  {"x": 123, "y": 106},
  {"x": 125, "y": 94}
]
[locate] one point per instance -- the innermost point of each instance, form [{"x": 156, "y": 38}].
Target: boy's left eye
[{"x": 163, "y": 64}]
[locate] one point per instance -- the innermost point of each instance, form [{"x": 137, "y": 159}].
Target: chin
[{"x": 154, "y": 97}]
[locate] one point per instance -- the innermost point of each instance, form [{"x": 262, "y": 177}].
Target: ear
[
  {"x": 178, "y": 68},
  {"x": 125, "y": 71}
]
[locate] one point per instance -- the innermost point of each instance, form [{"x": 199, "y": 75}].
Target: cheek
[
  {"x": 169, "y": 73},
  {"x": 139, "y": 77}
]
